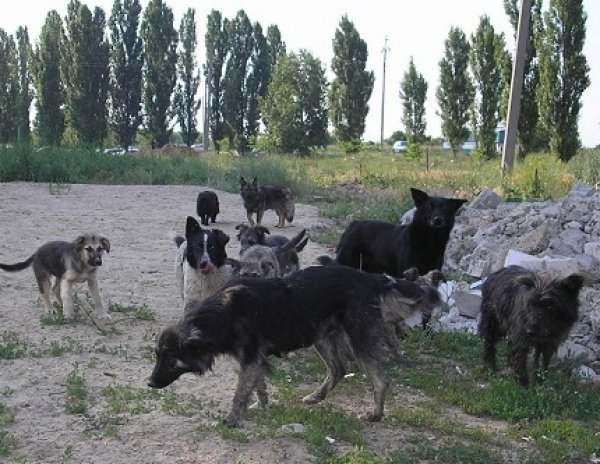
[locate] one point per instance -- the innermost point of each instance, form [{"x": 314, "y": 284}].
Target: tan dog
[{"x": 67, "y": 262}]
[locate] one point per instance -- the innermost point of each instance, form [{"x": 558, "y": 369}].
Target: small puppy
[
  {"x": 259, "y": 261},
  {"x": 286, "y": 250},
  {"x": 201, "y": 264},
  {"x": 207, "y": 206},
  {"x": 67, "y": 263}
]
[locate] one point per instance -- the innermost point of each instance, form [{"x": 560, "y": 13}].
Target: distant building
[{"x": 470, "y": 144}]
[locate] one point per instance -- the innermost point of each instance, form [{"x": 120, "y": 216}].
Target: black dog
[
  {"x": 383, "y": 247},
  {"x": 259, "y": 198},
  {"x": 532, "y": 311},
  {"x": 343, "y": 312},
  {"x": 207, "y": 206}
]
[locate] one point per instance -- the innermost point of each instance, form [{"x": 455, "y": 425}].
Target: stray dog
[
  {"x": 286, "y": 250},
  {"x": 259, "y": 198},
  {"x": 534, "y": 312},
  {"x": 383, "y": 247},
  {"x": 67, "y": 262},
  {"x": 207, "y": 206},
  {"x": 259, "y": 261},
  {"x": 431, "y": 279},
  {"x": 201, "y": 265},
  {"x": 337, "y": 309}
]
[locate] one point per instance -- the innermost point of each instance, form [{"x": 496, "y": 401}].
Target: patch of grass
[
  {"x": 453, "y": 452},
  {"x": 57, "y": 348},
  {"x": 123, "y": 399},
  {"x": 320, "y": 422},
  {"x": 54, "y": 319},
  {"x": 106, "y": 425},
  {"x": 142, "y": 313},
  {"x": 10, "y": 346},
  {"x": 77, "y": 393},
  {"x": 7, "y": 440}
]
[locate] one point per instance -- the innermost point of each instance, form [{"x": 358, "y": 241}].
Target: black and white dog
[{"x": 201, "y": 264}]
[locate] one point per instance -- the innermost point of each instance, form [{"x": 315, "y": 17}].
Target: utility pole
[
  {"x": 516, "y": 88},
  {"x": 384, "y": 50}
]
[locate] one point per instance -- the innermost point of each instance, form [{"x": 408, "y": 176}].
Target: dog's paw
[
  {"x": 231, "y": 420},
  {"x": 371, "y": 417}
]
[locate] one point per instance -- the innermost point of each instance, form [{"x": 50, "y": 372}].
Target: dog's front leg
[
  {"x": 96, "y": 298},
  {"x": 250, "y": 218},
  {"x": 66, "y": 294},
  {"x": 248, "y": 379}
]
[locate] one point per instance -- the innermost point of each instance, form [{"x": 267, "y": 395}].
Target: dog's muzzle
[{"x": 206, "y": 267}]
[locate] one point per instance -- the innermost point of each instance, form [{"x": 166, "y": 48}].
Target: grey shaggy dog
[
  {"x": 259, "y": 261},
  {"x": 535, "y": 312},
  {"x": 66, "y": 263}
]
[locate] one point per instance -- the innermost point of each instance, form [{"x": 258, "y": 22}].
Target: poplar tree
[
  {"x": 455, "y": 91},
  {"x": 187, "y": 103},
  {"x": 413, "y": 93},
  {"x": 25, "y": 89},
  {"x": 49, "y": 88},
  {"x": 563, "y": 74},
  {"x": 85, "y": 70},
  {"x": 126, "y": 71},
  {"x": 352, "y": 86},
  {"x": 160, "y": 74}
]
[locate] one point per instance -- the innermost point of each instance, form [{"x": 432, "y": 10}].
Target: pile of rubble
[{"x": 559, "y": 237}]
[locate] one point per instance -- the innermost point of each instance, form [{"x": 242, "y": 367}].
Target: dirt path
[{"x": 124, "y": 422}]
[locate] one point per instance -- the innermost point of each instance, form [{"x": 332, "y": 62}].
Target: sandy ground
[{"x": 145, "y": 427}]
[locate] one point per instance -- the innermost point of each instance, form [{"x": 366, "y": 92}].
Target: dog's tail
[
  {"x": 295, "y": 243},
  {"x": 17, "y": 266}
]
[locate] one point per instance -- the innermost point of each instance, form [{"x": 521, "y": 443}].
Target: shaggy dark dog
[
  {"x": 285, "y": 250},
  {"x": 377, "y": 246},
  {"x": 534, "y": 312},
  {"x": 207, "y": 206},
  {"x": 341, "y": 311},
  {"x": 259, "y": 198}
]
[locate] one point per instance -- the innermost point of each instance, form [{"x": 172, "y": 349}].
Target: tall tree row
[
  {"x": 85, "y": 72},
  {"x": 455, "y": 91},
  {"x": 126, "y": 60},
  {"x": 160, "y": 52},
  {"x": 563, "y": 74},
  {"x": 489, "y": 59},
  {"x": 352, "y": 86},
  {"x": 413, "y": 93},
  {"x": 25, "y": 90},
  {"x": 186, "y": 101},
  {"x": 49, "y": 88},
  {"x": 9, "y": 86}
]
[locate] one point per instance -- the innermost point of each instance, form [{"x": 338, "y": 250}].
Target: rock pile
[{"x": 559, "y": 237}]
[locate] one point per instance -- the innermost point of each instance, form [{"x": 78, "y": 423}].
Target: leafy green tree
[
  {"x": 413, "y": 93},
  {"x": 455, "y": 92},
  {"x": 160, "y": 73},
  {"x": 50, "y": 117},
  {"x": 186, "y": 102},
  {"x": 275, "y": 45},
  {"x": 25, "y": 90},
  {"x": 352, "y": 87},
  {"x": 396, "y": 135},
  {"x": 563, "y": 74},
  {"x": 217, "y": 46},
  {"x": 531, "y": 136},
  {"x": 296, "y": 104},
  {"x": 126, "y": 70},
  {"x": 9, "y": 87},
  {"x": 85, "y": 68},
  {"x": 488, "y": 58}
]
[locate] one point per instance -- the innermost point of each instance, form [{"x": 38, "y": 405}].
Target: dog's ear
[
  {"x": 436, "y": 277},
  {"x": 191, "y": 227},
  {"x": 222, "y": 237},
  {"x": 419, "y": 197},
  {"x": 572, "y": 283},
  {"x": 411, "y": 274},
  {"x": 105, "y": 244},
  {"x": 262, "y": 230},
  {"x": 241, "y": 227},
  {"x": 242, "y": 181},
  {"x": 79, "y": 242},
  {"x": 525, "y": 280},
  {"x": 456, "y": 203},
  {"x": 255, "y": 181}
]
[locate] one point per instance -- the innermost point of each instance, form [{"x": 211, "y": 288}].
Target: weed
[
  {"x": 142, "y": 313},
  {"x": 10, "y": 346},
  {"x": 77, "y": 393}
]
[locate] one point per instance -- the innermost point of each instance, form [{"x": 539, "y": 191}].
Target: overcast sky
[{"x": 415, "y": 29}]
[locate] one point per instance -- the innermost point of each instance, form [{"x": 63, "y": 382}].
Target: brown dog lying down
[{"x": 336, "y": 309}]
